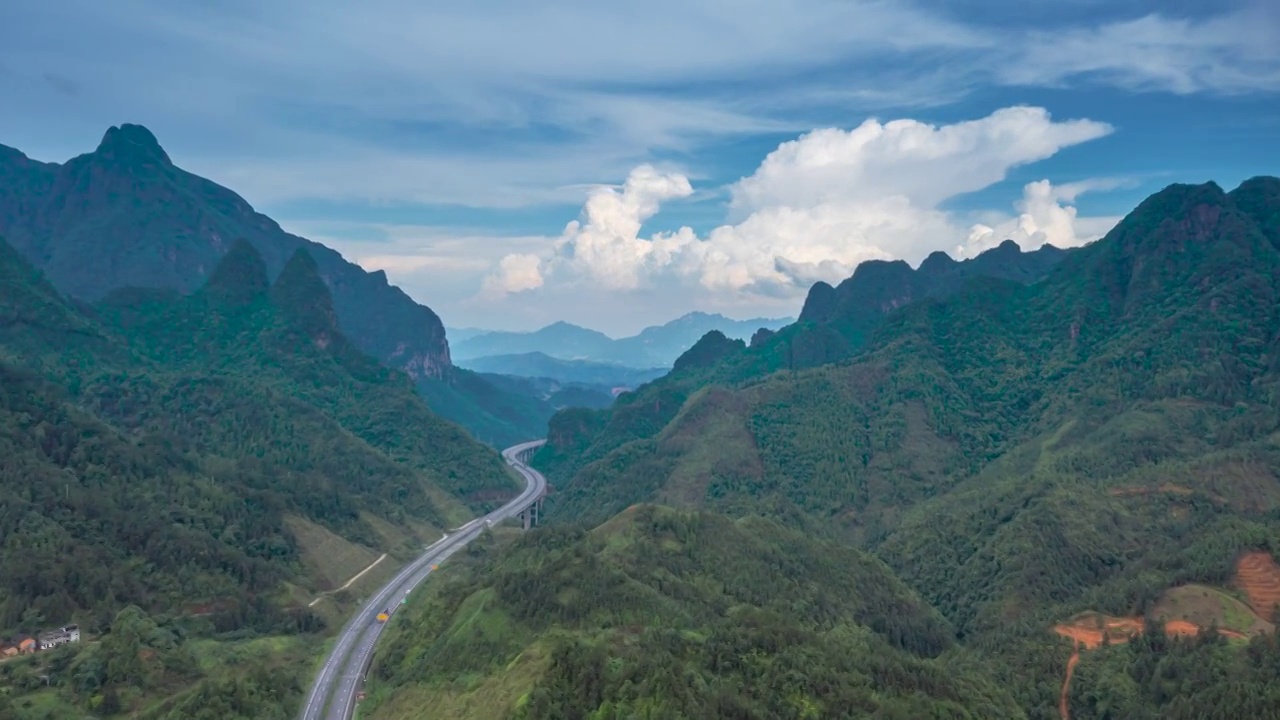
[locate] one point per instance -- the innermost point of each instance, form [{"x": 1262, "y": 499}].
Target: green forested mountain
[
  {"x": 559, "y": 394},
  {"x": 834, "y": 325},
  {"x": 1017, "y": 452},
  {"x": 158, "y": 452},
  {"x": 124, "y": 216},
  {"x": 668, "y": 614}
]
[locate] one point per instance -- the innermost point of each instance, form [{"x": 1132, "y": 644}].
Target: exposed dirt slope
[{"x": 1259, "y": 576}]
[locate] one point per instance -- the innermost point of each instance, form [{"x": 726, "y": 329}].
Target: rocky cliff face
[{"x": 125, "y": 216}]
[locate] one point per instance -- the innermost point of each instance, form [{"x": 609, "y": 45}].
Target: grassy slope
[
  {"x": 674, "y": 614},
  {"x": 1205, "y": 606}
]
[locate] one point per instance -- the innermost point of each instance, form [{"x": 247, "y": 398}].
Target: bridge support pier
[{"x": 530, "y": 516}]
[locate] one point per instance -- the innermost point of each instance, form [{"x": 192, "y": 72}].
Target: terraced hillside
[{"x": 1259, "y": 577}]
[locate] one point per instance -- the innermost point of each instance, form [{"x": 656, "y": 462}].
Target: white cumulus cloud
[
  {"x": 819, "y": 205},
  {"x": 907, "y": 158},
  {"x": 1042, "y": 219},
  {"x": 515, "y": 273}
]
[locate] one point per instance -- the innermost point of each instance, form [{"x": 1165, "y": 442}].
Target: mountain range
[
  {"x": 125, "y": 215},
  {"x": 654, "y": 346},
  {"x": 1055, "y": 448}
]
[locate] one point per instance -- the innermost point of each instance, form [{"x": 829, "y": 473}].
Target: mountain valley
[
  {"x": 1028, "y": 484},
  {"x": 188, "y": 476},
  {"x": 815, "y": 360}
]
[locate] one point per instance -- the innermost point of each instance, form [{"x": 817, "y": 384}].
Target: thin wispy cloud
[
  {"x": 326, "y": 84},
  {"x": 1234, "y": 53}
]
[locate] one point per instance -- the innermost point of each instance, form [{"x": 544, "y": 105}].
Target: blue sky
[{"x": 714, "y": 156}]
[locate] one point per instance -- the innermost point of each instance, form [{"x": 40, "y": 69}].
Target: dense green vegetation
[
  {"x": 558, "y": 393},
  {"x": 668, "y": 614},
  {"x": 1017, "y": 452},
  {"x": 497, "y": 414},
  {"x": 1159, "y": 678},
  {"x": 152, "y": 447},
  {"x": 834, "y": 325}
]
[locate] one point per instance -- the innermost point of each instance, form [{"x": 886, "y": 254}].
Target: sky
[{"x": 616, "y": 165}]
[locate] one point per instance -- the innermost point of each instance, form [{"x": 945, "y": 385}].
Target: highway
[{"x": 333, "y": 694}]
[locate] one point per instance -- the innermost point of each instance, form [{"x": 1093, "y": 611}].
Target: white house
[{"x": 61, "y": 636}]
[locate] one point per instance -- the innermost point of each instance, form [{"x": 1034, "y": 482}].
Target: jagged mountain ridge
[
  {"x": 125, "y": 216},
  {"x": 836, "y": 322},
  {"x": 880, "y": 286}
]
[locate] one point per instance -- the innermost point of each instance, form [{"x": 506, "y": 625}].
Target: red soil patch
[
  {"x": 1181, "y": 627},
  {"x": 1259, "y": 576},
  {"x": 1089, "y": 632},
  {"x": 1066, "y": 684}
]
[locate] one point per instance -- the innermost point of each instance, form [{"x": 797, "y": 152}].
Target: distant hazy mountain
[
  {"x": 655, "y": 346},
  {"x": 541, "y": 365},
  {"x": 562, "y": 340},
  {"x": 457, "y": 335}
]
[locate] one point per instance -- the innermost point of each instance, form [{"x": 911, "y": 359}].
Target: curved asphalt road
[{"x": 334, "y": 691}]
